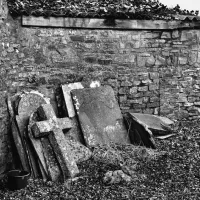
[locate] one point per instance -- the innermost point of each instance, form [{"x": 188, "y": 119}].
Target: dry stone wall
[{"x": 153, "y": 72}]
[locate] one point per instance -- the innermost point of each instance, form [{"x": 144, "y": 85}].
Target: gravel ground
[{"x": 173, "y": 176}]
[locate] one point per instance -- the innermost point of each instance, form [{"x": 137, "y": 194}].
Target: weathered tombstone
[
  {"x": 99, "y": 116},
  {"x": 53, "y": 128},
  {"x": 28, "y": 103}
]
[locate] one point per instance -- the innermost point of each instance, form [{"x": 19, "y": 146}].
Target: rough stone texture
[
  {"x": 46, "y": 160},
  {"x": 53, "y": 126},
  {"x": 99, "y": 115},
  {"x": 138, "y": 131},
  {"x": 67, "y": 96},
  {"x": 31, "y": 58},
  {"x": 158, "y": 125}
]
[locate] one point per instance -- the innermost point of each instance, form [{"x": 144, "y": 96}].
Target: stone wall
[{"x": 150, "y": 71}]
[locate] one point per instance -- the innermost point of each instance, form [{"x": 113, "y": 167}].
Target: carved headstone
[
  {"x": 28, "y": 103},
  {"x": 99, "y": 116},
  {"x": 53, "y": 128}
]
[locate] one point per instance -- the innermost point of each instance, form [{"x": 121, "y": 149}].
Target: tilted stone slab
[
  {"x": 17, "y": 138},
  {"x": 28, "y": 103},
  {"x": 67, "y": 96},
  {"x": 158, "y": 125},
  {"x": 57, "y": 140},
  {"x": 139, "y": 132},
  {"x": 99, "y": 116}
]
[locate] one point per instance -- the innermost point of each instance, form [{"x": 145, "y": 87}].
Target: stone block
[
  {"x": 136, "y": 101},
  {"x": 160, "y": 61},
  {"x": 141, "y": 61},
  {"x": 126, "y": 83},
  {"x": 153, "y": 87},
  {"x": 150, "y": 61},
  {"x": 122, "y": 99},
  {"x": 143, "y": 89},
  {"x": 166, "y": 35},
  {"x": 123, "y": 90},
  {"x": 146, "y": 82},
  {"x": 153, "y": 75},
  {"x": 175, "y": 34},
  {"x": 133, "y": 90},
  {"x": 77, "y": 38},
  {"x": 99, "y": 115},
  {"x": 136, "y": 83},
  {"x": 182, "y": 60}
]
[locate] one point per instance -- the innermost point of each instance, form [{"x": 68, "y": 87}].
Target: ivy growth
[{"x": 121, "y": 9}]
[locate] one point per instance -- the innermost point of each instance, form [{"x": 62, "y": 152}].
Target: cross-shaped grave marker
[{"x": 52, "y": 127}]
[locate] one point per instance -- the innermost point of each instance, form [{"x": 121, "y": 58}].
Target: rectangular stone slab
[
  {"x": 67, "y": 88},
  {"x": 99, "y": 116}
]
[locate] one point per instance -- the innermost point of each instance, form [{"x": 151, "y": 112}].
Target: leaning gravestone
[
  {"x": 28, "y": 103},
  {"x": 99, "y": 116},
  {"x": 53, "y": 127}
]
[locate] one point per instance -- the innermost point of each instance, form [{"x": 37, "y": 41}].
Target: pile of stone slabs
[{"x": 99, "y": 115}]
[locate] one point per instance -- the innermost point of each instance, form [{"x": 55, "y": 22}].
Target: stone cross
[{"x": 52, "y": 127}]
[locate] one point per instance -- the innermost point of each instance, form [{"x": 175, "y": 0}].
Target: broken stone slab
[
  {"x": 99, "y": 116},
  {"x": 138, "y": 132},
  {"x": 158, "y": 125},
  {"x": 53, "y": 127}
]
